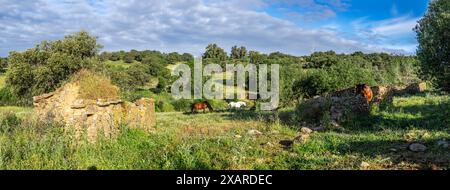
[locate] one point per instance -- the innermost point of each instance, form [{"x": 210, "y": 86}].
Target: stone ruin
[
  {"x": 337, "y": 107},
  {"x": 93, "y": 117},
  {"x": 385, "y": 93}
]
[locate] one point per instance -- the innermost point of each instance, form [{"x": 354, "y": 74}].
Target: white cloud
[
  {"x": 395, "y": 26},
  {"x": 178, "y": 25}
]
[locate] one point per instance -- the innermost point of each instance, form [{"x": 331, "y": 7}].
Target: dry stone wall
[{"x": 93, "y": 117}]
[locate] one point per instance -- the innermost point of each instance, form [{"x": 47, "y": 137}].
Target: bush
[
  {"x": 42, "y": 69},
  {"x": 163, "y": 106},
  {"x": 8, "y": 120},
  {"x": 8, "y": 99},
  {"x": 315, "y": 83},
  {"x": 182, "y": 105},
  {"x": 218, "y": 105}
]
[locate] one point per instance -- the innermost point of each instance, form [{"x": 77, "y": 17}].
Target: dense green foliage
[
  {"x": 43, "y": 68},
  {"x": 3, "y": 64},
  {"x": 213, "y": 51},
  {"x": 152, "y": 56},
  {"x": 238, "y": 52},
  {"x": 336, "y": 72},
  {"x": 433, "y": 34}
]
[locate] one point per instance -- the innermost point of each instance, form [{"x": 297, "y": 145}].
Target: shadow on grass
[
  {"x": 397, "y": 152},
  {"x": 428, "y": 116},
  {"x": 285, "y": 117}
]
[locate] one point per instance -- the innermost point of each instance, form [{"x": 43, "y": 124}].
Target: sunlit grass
[
  {"x": 221, "y": 141},
  {"x": 2, "y": 80}
]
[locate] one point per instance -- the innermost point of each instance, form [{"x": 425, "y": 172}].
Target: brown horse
[
  {"x": 365, "y": 91},
  {"x": 201, "y": 106}
]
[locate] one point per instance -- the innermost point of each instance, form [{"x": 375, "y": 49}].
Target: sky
[{"x": 297, "y": 27}]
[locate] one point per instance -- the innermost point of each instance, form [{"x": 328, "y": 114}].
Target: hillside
[{"x": 247, "y": 140}]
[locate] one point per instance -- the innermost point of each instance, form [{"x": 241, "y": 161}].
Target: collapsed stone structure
[
  {"x": 385, "y": 93},
  {"x": 93, "y": 117},
  {"x": 336, "y": 105}
]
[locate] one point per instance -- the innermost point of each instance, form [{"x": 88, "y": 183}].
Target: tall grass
[{"x": 94, "y": 86}]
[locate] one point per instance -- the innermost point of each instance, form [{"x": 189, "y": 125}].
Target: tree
[
  {"x": 139, "y": 73},
  {"x": 238, "y": 53},
  {"x": 433, "y": 35},
  {"x": 173, "y": 58},
  {"x": 128, "y": 58},
  {"x": 43, "y": 68},
  {"x": 213, "y": 51},
  {"x": 3, "y": 64},
  {"x": 114, "y": 56},
  {"x": 322, "y": 59},
  {"x": 187, "y": 57},
  {"x": 256, "y": 57}
]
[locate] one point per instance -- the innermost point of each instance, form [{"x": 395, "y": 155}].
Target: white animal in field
[{"x": 237, "y": 105}]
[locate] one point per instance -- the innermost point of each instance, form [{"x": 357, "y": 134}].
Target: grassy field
[
  {"x": 218, "y": 78},
  {"x": 222, "y": 141}
]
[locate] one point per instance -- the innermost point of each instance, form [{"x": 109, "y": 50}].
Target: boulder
[
  {"x": 254, "y": 132},
  {"x": 417, "y": 147}
]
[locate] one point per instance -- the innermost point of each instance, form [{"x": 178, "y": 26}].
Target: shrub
[
  {"x": 163, "y": 106},
  {"x": 315, "y": 83},
  {"x": 218, "y": 105},
  {"x": 8, "y": 120},
  {"x": 8, "y": 99},
  {"x": 182, "y": 105}
]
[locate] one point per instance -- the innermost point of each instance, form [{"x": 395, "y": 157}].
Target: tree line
[{"x": 46, "y": 66}]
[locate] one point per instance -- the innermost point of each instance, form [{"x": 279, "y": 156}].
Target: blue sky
[{"x": 297, "y": 27}]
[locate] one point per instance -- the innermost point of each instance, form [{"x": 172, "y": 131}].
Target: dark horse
[{"x": 201, "y": 106}]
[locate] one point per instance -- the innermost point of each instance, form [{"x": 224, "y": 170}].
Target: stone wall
[
  {"x": 93, "y": 117},
  {"x": 385, "y": 93}
]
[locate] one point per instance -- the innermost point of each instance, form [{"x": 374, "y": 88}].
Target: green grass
[
  {"x": 221, "y": 141},
  {"x": 119, "y": 64},
  {"x": 2, "y": 80},
  {"x": 21, "y": 112}
]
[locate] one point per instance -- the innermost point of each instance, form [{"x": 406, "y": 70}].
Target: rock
[
  {"x": 365, "y": 165},
  {"x": 443, "y": 143},
  {"x": 306, "y": 130},
  {"x": 78, "y": 104},
  {"x": 302, "y": 138},
  {"x": 319, "y": 128},
  {"x": 102, "y": 103},
  {"x": 269, "y": 144},
  {"x": 43, "y": 97},
  {"x": 417, "y": 88},
  {"x": 287, "y": 143},
  {"x": 341, "y": 129},
  {"x": 118, "y": 101},
  {"x": 254, "y": 132},
  {"x": 417, "y": 147},
  {"x": 393, "y": 150}
]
